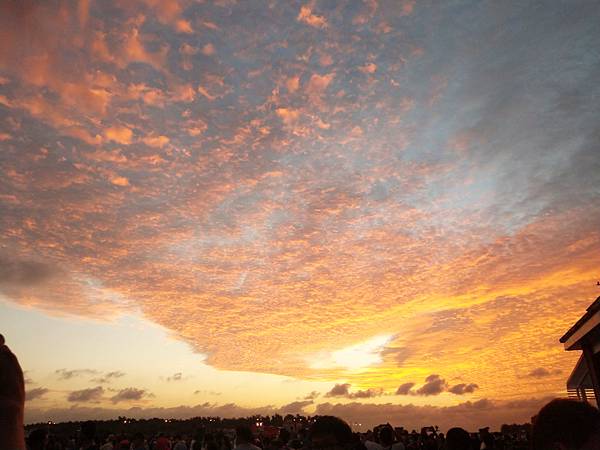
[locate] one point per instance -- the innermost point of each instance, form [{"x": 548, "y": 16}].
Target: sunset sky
[{"x": 383, "y": 210}]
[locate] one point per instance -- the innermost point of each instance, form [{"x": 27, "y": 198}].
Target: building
[{"x": 584, "y": 381}]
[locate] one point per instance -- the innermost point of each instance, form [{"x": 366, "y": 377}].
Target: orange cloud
[
  {"x": 293, "y": 83},
  {"x": 183, "y": 26},
  {"x": 208, "y": 50},
  {"x": 156, "y": 141},
  {"x": 306, "y": 16},
  {"x": 119, "y": 134}
]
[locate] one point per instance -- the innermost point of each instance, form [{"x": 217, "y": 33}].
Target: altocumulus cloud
[
  {"x": 36, "y": 393},
  {"x": 130, "y": 394},
  {"x": 109, "y": 376},
  {"x": 343, "y": 390},
  {"x": 541, "y": 372},
  {"x": 86, "y": 395},
  {"x": 435, "y": 385},
  {"x": 65, "y": 374}
]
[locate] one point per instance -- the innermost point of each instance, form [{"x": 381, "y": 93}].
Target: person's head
[
  {"x": 566, "y": 424},
  {"x": 284, "y": 435},
  {"x": 457, "y": 439},
  {"x": 330, "y": 432},
  {"x": 37, "y": 439},
  {"x": 138, "y": 440},
  {"x": 386, "y": 436},
  {"x": 88, "y": 430},
  {"x": 243, "y": 434}
]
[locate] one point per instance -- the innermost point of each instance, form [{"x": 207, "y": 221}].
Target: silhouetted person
[
  {"x": 179, "y": 443},
  {"x": 387, "y": 439},
  {"x": 330, "y": 432},
  {"x": 138, "y": 443},
  {"x": 37, "y": 439},
  {"x": 458, "y": 439},
  {"x": 244, "y": 438},
  {"x": 566, "y": 425},
  {"x": 12, "y": 400},
  {"x": 88, "y": 436}
]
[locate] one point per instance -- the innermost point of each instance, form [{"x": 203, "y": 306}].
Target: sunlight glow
[{"x": 364, "y": 354}]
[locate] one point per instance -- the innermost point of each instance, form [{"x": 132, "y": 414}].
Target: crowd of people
[
  {"x": 562, "y": 424},
  {"x": 322, "y": 433}
]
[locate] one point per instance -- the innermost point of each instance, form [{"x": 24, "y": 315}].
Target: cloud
[
  {"x": 462, "y": 388},
  {"x": 296, "y": 407},
  {"x": 434, "y": 385},
  {"x": 469, "y": 415},
  {"x": 25, "y": 272},
  {"x": 343, "y": 390},
  {"x": 405, "y": 389},
  {"x": 208, "y": 49},
  {"x": 36, "y": 393},
  {"x": 339, "y": 390},
  {"x": 357, "y": 199},
  {"x": 368, "y": 393},
  {"x": 175, "y": 377},
  {"x": 64, "y": 374},
  {"x": 541, "y": 372},
  {"x": 130, "y": 394},
  {"x": 312, "y": 395},
  {"x": 119, "y": 134},
  {"x": 184, "y": 26},
  {"x": 108, "y": 377},
  {"x": 206, "y": 392},
  {"x": 156, "y": 141},
  {"x": 205, "y": 409},
  {"x": 306, "y": 16},
  {"x": 92, "y": 395}
]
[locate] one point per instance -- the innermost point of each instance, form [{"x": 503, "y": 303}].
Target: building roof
[
  {"x": 591, "y": 311},
  {"x": 580, "y": 377}
]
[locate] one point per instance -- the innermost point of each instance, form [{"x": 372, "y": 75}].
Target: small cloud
[
  {"x": 292, "y": 83},
  {"x": 434, "y": 385},
  {"x": 296, "y": 407},
  {"x": 109, "y": 376},
  {"x": 368, "y": 68},
  {"x": 405, "y": 389},
  {"x": 288, "y": 116},
  {"x": 175, "y": 377},
  {"x": 129, "y": 394},
  {"x": 64, "y": 374},
  {"x": 156, "y": 141},
  {"x": 339, "y": 390},
  {"x": 540, "y": 372},
  {"x": 306, "y": 16},
  {"x": 343, "y": 390},
  {"x": 407, "y": 7},
  {"x": 118, "y": 180},
  {"x": 187, "y": 49},
  {"x": 205, "y": 392},
  {"x": 369, "y": 393},
  {"x": 36, "y": 393},
  {"x": 208, "y": 50},
  {"x": 24, "y": 272},
  {"x": 119, "y": 134},
  {"x": 184, "y": 26},
  {"x": 86, "y": 395},
  {"x": 463, "y": 388},
  {"x": 312, "y": 395}
]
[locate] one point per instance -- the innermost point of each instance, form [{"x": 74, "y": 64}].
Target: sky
[{"x": 381, "y": 210}]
